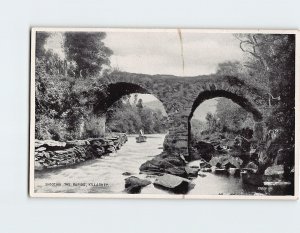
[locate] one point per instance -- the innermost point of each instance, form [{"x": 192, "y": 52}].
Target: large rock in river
[
  {"x": 218, "y": 161},
  {"x": 177, "y": 171},
  {"x": 134, "y": 184},
  {"x": 173, "y": 183},
  {"x": 161, "y": 164},
  {"x": 192, "y": 172}
]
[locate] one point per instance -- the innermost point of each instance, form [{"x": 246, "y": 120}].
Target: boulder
[
  {"x": 177, "y": 161},
  {"x": 159, "y": 164},
  {"x": 149, "y": 167},
  {"x": 177, "y": 171},
  {"x": 242, "y": 144},
  {"x": 110, "y": 149},
  {"x": 126, "y": 173},
  {"x": 38, "y": 143},
  {"x": 277, "y": 183},
  {"x": 173, "y": 183},
  {"x": 217, "y": 161},
  {"x": 134, "y": 184},
  {"x": 286, "y": 157},
  {"x": 234, "y": 172},
  {"x": 221, "y": 171},
  {"x": 194, "y": 164},
  {"x": 252, "y": 167},
  {"x": 50, "y": 144},
  {"x": 38, "y": 166},
  {"x": 204, "y": 164},
  {"x": 191, "y": 172},
  {"x": 232, "y": 162},
  {"x": 97, "y": 142},
  {"x": 275, "y": 171},
  {"x": 251, "y": 178},
  {"x": 39, "y": 149},
  {"x": 227, "y": 165},
  {"x": 206, "y": 169},
  {"x": 77, "y": 143},
  {"x": 202, "y": 174},
  {"x": 99, "y": 152}
]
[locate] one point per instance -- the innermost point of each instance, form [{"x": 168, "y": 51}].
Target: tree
[
  {"x": 41, "y": 38},
  {"x": 212, "y": 122},
  {"x": 271, "y": 61},
  {"x": 232, "y": 117},
  {"x": 230, "y": 68},
  {"x": 88, "y": 51}
]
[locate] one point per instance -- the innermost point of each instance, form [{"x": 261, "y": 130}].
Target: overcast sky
[{"x": 162, "y": 53}]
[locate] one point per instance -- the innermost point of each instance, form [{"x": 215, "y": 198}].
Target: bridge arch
[
  {"x": 180, "y": 97},
  {"x": 238, "y": 99},
  {"x": 114, "y": 92}
]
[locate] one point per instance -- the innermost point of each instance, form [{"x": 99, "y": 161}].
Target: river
[{"x": 104, "y": 175}]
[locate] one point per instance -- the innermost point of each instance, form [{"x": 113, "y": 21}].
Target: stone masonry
[{"x": 180, "y": 97}]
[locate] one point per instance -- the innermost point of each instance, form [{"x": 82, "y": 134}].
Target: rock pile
[{"x": 54, "y": 154}]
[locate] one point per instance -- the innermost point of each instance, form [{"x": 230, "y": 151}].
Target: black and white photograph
[{"x": 163, "y": 113}]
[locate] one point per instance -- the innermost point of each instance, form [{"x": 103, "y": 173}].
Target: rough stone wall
[{"x": 54, "y": 154}]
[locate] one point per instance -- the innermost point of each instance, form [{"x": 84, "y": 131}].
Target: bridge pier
[{"x": 176, "y": 142}]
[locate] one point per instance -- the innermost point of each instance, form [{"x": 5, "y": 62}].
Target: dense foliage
[
  {"x": 270, "y": 68},
  {"x": 229, "y": 118},
  {"x": 67, "y": 91},
  {"x": 128, "y": 117}
]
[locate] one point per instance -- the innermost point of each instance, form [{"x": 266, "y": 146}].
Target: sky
[{"x": 161, "y": 52}]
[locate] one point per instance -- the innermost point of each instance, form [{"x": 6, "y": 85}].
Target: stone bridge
[{"x": 180, "y": 97}]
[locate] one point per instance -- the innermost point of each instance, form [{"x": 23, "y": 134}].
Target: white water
[{"x": 104, "y": 175}]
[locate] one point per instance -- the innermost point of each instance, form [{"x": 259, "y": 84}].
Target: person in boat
[
  {"x": 141, "y": 137},
  {"x": 141, "y": 133}
]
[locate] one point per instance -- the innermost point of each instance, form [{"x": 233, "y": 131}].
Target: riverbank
[
  {"x": 106, "y": 174},
  {"x": 50, "y": 154}
]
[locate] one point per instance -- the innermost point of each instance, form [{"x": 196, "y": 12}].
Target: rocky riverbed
[
  {"x": 144, "y": 168},
  {"x": 265, "y": 170}
]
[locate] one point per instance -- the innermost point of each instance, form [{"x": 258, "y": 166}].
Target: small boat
[{"x": 141, "y": 137}]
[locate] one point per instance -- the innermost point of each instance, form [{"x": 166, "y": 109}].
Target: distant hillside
[
  {"x": 156, "y": 105},
  {"x": 200, "y": 113}
]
